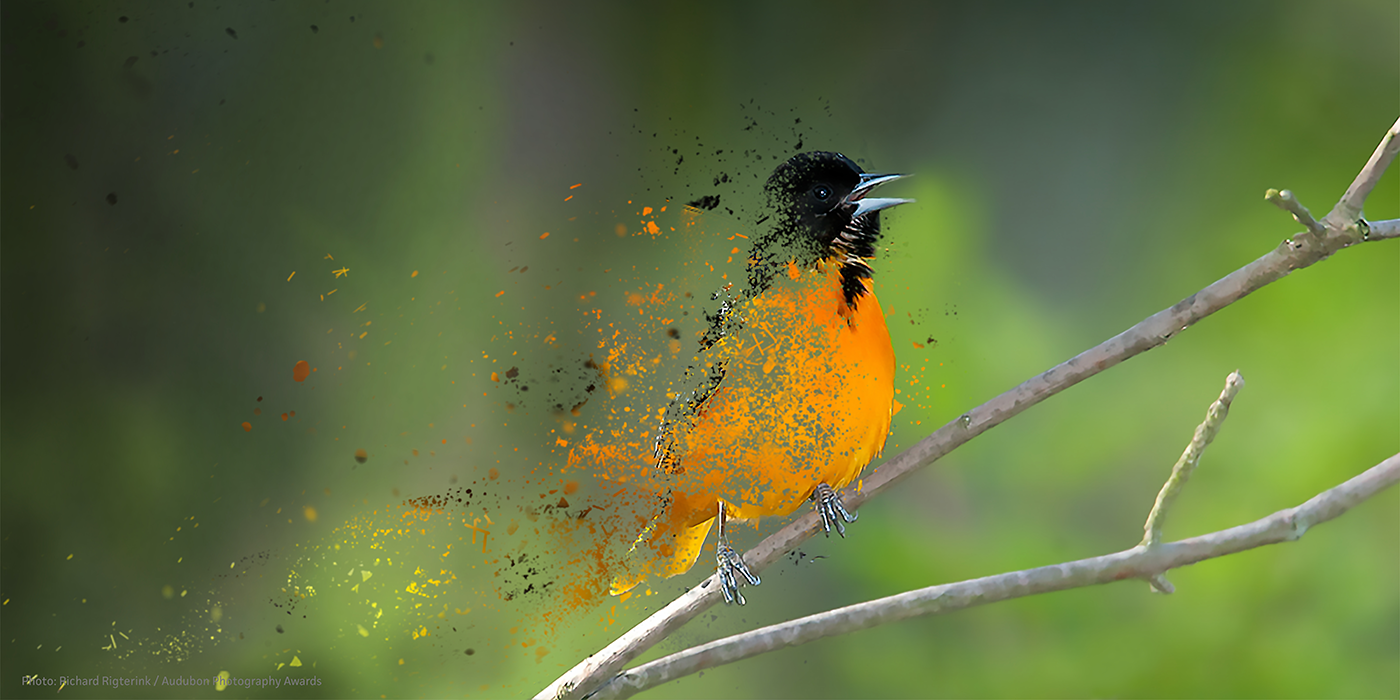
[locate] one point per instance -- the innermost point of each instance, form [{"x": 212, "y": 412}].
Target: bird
[{"x": 791, "y": 394}]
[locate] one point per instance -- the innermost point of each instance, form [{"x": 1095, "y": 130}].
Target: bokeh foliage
[{"x": 1080, "y": 166}]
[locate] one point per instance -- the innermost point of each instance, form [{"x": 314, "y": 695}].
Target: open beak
[{"x": 866, "y": 205}]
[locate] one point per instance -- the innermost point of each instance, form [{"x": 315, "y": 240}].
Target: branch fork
[{"x": 1181, "y": 471}]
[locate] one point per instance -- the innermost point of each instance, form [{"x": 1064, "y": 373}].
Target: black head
[
  {"x": 821, "y": 212},
  {"x": 807, "y": 194}
]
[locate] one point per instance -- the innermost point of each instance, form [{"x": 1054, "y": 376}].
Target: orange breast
[{"x": 806, "y": 398}]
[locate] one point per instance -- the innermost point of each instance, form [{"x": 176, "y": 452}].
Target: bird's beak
[{"x": 866, "y": 205}]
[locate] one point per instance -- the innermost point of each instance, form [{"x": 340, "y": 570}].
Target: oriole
[{"x": 792, "y": 393}]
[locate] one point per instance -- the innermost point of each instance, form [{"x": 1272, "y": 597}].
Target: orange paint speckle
[
  {"x": 284, "y": 416},
  {"x": 500, "y": 292},
  {"x": 247, "y": 427},
  {"x": 415, "y": 274},
  {"x": 301, "y": 371},
  {"x": 544, "y": 235},
  {"x": 576, "y": 186},
  {"x": 570, "y": 487}
]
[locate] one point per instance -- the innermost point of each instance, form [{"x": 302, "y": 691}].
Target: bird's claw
[
  {"x": 829, "y": 505},
  {"x": 730, "y": 563}
]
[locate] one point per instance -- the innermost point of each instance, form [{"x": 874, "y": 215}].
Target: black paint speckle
[{"x": 708, "y": 202}]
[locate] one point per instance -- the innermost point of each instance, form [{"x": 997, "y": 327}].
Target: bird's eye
[{"x": 821, "y": 192}]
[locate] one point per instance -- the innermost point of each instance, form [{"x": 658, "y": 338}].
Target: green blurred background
[{"x": 1080, "y": 166}]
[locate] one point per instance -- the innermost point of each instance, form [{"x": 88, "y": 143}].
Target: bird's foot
[
  {"x": 829, "y": 505},
  {"x": 731, "y": 566}
]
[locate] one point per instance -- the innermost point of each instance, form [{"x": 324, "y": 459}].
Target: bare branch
[
  {"x": 1348, "y": 208},
  {"x": 1340, "y": 232},
  {"x": 1286, "y": 201},
  {"x": 1381, "y": 230},
  {"x": 1139, "y": 562},
  {"x": 1181, "y": 471}
]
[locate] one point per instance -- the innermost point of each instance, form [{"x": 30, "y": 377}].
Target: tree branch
[
  {"x": 1381, "y": 230},
  {"x": 1348, "y": 208},
  {"x": 1181, "y": 471},
  {"x": 1286, "y": 201},
  {"x": 1342, "y": 228},
  {"x": 1139, "y": 562}
]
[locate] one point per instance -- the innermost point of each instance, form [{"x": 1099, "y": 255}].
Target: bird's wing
[
  {"x": 680, "y": 414},
  {"x": 701, "y": 381}
]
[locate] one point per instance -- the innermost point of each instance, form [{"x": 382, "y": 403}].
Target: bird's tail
[{"x": 669, "y": 545}]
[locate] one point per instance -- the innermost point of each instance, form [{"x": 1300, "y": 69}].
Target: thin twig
[
  {"x": 1181, "y": 471},
  {"x": 1286, "y": 201},
  {"x": 1381, "y": 230},
  {"x": 1349, "y": 207},
  {"x": 1139, "y": 562},
  {"x": 1152, "y": 332}
]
